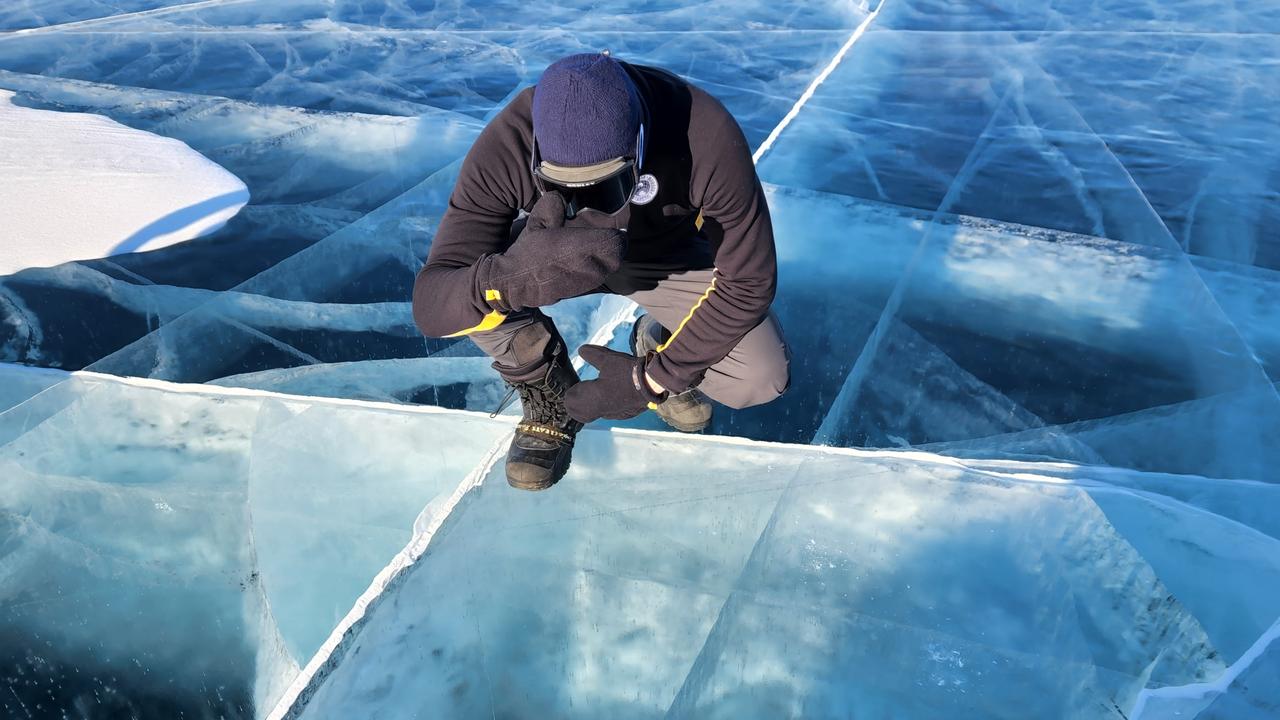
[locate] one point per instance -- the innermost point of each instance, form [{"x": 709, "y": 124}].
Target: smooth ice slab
[
  {"x": 82, "y": 186},
  {"x": 178, "y": 552},
  {"x": 680, "y": 577}
]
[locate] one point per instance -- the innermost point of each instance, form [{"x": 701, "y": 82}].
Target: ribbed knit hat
[{"x": 586, "y": 111}]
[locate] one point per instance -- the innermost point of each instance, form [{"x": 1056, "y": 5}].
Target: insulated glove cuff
[
  {"x": 676, "y": 382},
  {"x": 641, "y": 383},
  {"x": 488, "y": 297}
]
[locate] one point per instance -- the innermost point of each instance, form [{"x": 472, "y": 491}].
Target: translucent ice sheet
[
  {"x": 390, "y": 58},
  {"x": 1100, "y": 128},
  {"x": 1031, "y": 246},
  {"x": 1025, "y": 121},
  {"x": 1051, "y": 320},
  {"x": 359, "y": 144},
  {"x": 774, "y": 582},
  {"x": 689, "y": 577},
  {"x": 32, "y": 14},
  {"x": 174, "y": 552}
]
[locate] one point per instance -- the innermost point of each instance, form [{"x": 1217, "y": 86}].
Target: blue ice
[
  {"x": 794, "y": 580},
  {"x": 1027, "y": 467},
  {"x": 170, "y": 562}
]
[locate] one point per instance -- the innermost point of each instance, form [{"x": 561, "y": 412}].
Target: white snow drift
[{"x": 75, "y": 186}]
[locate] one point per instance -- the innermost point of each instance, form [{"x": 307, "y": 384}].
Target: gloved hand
[
  {"x": 619, "y": 393},
  {"x": 549, "y": 262}
]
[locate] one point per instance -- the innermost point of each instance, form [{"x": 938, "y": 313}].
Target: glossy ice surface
[{"x": 1028, "y": 257}]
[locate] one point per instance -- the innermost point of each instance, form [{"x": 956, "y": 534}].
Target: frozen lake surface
[{"x": 1029, "y": 270}]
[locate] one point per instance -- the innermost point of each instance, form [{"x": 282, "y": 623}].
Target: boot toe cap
[
  {"x": 528, "y": 476},
  {"x": 687, "y": 412}
]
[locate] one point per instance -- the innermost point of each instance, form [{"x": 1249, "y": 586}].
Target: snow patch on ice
[{"x": 81, "y": 186}]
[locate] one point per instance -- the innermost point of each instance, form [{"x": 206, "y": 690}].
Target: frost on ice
[{"x": 1028, "y": 257}]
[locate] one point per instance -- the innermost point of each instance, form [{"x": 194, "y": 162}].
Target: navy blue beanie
[{"x": 585, "y": 111}]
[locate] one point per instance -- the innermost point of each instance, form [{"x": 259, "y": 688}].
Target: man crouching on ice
[{"x": 636, "y": 183}]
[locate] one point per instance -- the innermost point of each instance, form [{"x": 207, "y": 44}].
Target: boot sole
[
  {"x": 531, "y": 487},
  {"x": 685, "y": 428}
]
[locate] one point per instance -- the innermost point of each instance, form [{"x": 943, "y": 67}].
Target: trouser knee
[
  {"x": 756, "y": 371},
  {"x": 768, "y": 386},
  {"x": 522, "y": 346}
]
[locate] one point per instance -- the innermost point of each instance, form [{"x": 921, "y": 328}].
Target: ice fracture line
[
  {"x": 90, "y": 22},
  {"x": 813, "y": 86},
  {"x": 303, "y": 686}
]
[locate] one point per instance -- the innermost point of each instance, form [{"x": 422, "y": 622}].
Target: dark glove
[
  {"x": 549, "y": 262},
  {"x": 619, "y": 393}
]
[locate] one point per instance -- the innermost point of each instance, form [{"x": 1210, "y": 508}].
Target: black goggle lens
[{"x": 608, "y": 196}]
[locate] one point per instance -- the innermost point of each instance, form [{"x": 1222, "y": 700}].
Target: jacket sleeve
[
  {"x": 724, "y": 185},
  {"x": 487, "y": 197}
]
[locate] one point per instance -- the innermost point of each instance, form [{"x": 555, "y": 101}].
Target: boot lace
[
  {"x": 542, "y": 404},
  {"x": 539, "y": 400}
]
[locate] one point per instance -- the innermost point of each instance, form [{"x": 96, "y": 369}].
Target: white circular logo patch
[{"x": 646, "y": 190}]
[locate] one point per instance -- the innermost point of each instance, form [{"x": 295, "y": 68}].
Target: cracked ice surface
[
  {"x": 1015, "y": 220},
  {"x": 786, "y": 582},
  {"x": 196, "y": 541},
  {"x": 770, "y": 577},
  {"x": 31, "y": 14},
  {"x": 1037, "y": 237}
]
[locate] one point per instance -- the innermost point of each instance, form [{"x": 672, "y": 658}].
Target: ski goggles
[
  {"x": 605, "y": 187},
  {"x": 609, "y": 194}
]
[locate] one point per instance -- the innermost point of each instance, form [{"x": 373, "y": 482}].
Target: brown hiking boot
[{"x": 689, "y": 411}]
